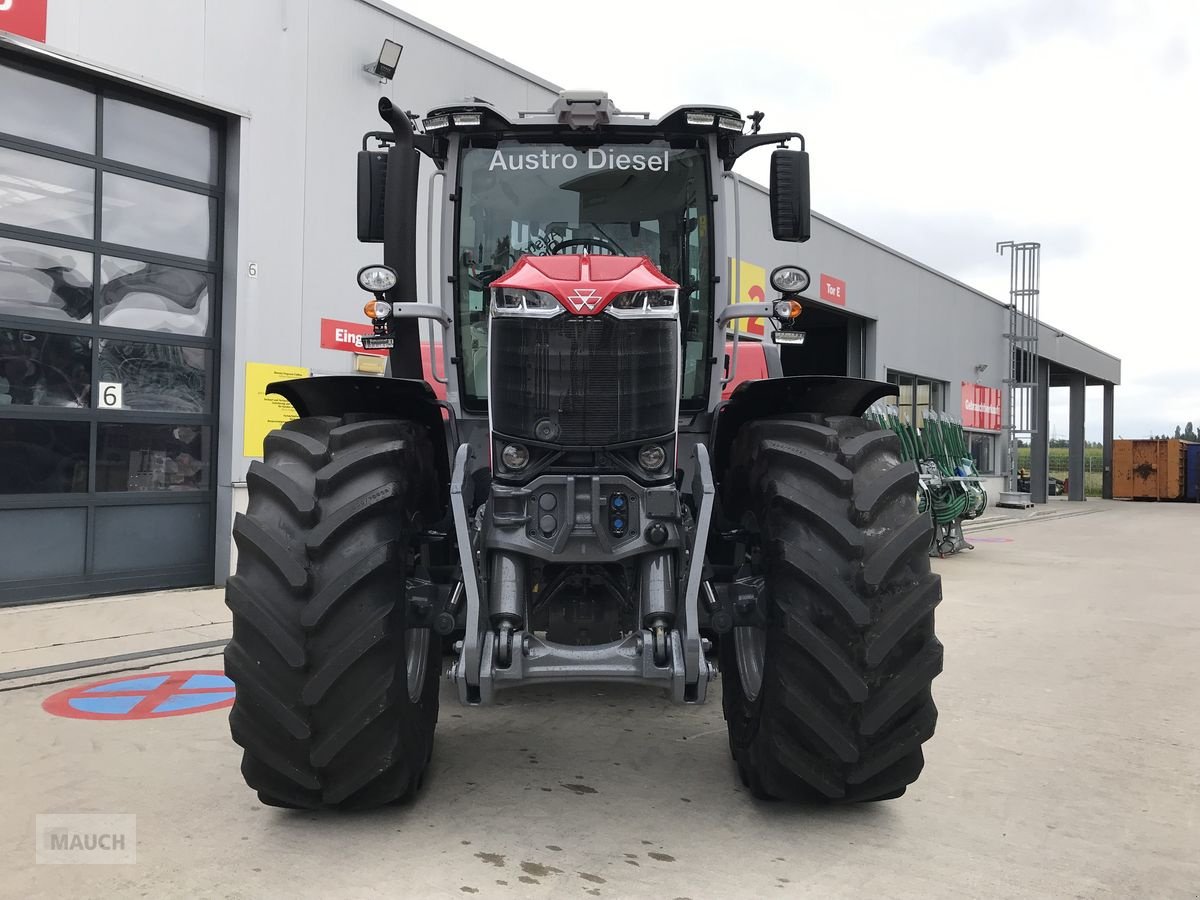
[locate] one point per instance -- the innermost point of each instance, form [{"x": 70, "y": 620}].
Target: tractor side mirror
[
  {"x": 372, "y": 184},
  {"x": 791, "y": 204}
]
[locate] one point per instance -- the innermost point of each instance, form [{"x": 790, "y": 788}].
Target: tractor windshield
[{"x": 646, "y": 199}]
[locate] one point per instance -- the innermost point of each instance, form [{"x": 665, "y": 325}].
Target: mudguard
[
  {"x": 828, "y": 395},
  {"x": 341, "y": 395}
]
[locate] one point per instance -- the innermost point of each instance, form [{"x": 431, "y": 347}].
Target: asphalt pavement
[{"x": 1065, "y": 763}]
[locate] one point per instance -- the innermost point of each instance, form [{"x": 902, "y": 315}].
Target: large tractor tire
[
  {"x": 830, "y": 702},
  {"x": 336, "y": 698}
]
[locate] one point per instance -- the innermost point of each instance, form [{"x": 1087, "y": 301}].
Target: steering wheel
[
  {"x": 480, "y": 280},
  {"x": 603, "y": 243}
]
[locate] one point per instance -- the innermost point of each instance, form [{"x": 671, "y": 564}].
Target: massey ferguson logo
[{"x": 581, "y": 299}]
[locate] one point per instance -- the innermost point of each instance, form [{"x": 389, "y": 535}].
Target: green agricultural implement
[{"x": 950, "y": 490}]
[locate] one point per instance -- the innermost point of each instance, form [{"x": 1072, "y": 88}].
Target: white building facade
[{"x": 177, "y": 221}]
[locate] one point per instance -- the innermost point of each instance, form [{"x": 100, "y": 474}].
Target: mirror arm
[
  {"x": 745, "y": 311},
  {"x": 747, "y": 142}
]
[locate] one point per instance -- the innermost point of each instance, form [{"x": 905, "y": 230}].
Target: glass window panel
[
  {"x": 161, "y": 377},
  {"x": 46, "y": 282},
  {"x": 152, "y": 457},
  {"x": 141, "y": 214},
  {"x": 906, "y": 400},
  {"x": 982, "y": 446},
  {"x": 923, "y": 392},
  {"x": 42, "y": 193},
  {"x": 154, "y": 297},
  {"x": 27, "y": 100},
  {"x": 528, "y": 211},
  {"x": 157, "y": 140},
  {"x": 43, "y": 457},
  {"x": 39, "y": 369}
]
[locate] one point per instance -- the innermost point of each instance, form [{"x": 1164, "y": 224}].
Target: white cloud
[{"x": 939, "y": 128}]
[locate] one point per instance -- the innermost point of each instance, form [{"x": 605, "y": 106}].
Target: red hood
[{"x": 585, "y": 284}]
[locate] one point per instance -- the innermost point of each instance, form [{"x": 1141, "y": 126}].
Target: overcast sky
[{"x": 941, "y": 127}]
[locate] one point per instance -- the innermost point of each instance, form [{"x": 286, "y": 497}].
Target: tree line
[{"x": 1182, "y": 432}]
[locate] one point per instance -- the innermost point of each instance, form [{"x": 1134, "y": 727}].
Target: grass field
[{"x": 1093, "y": 467}]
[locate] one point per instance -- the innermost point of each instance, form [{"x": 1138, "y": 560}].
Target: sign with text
[
  {"x": 338, "y": 335},
  {"x": 265, "y": 412},
  {"x": 980, "y": 407},
  {"x": 26, "y": 18},
  {"x": 833, "y": 290}
]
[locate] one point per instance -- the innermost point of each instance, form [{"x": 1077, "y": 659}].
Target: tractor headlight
[
  {"x": 637, "y": 303},
  {"x": 794, "y": 338},
  {"x": 519, "y": 301},
  {"x": 515, "y": 456},
  {"x": 790, "y": 279},
  {"x": 377, "y": 279},
  {"x": 651, "y": 457}
]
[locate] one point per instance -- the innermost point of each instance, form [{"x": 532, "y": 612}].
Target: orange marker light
[
  {"x": 377, "y": 309},
  {"x": 788, "y": 309}
]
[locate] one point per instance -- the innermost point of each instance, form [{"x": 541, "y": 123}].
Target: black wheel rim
[
  {"x": 416, "y": 653},
  {"x": 750, "y": 648}
]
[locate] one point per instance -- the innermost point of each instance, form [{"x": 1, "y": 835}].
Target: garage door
[{"x": 110, "y": 211}]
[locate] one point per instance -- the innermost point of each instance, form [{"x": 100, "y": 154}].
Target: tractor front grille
[{"x": 587, "y": 381}]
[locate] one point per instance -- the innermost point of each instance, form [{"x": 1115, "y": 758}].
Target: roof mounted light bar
[
  {"x": 704, "y": 118},
  {"x": 471, "y": 113}
]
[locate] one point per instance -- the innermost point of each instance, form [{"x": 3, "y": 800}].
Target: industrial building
[{"x": 177, "y": 228}]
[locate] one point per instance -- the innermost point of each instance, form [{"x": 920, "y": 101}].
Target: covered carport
[{"x": 1065, "y": 361}]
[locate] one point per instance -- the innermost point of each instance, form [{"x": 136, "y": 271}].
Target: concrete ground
[{"x": 1066, "y": 762}]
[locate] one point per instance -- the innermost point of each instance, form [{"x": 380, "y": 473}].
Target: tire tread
[
  {"x": 845, "y": 703},
  {"x": 322, "y": 707}
]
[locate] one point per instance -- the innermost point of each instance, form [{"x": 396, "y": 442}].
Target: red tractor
[{"x": 583, "y": 504}]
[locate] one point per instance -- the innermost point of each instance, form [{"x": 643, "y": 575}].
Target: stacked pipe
[{"x": 950, "y": 489}]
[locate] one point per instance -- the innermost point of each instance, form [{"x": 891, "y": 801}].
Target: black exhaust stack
[{"x": 400, "y": 237}]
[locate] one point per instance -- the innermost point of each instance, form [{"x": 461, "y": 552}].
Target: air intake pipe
[{"x": 400, "y": 237}]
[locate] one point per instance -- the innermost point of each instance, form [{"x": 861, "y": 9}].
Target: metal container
[
  {"x": 1192, "y": 478},
  {"x": 1149, "y": 470}
]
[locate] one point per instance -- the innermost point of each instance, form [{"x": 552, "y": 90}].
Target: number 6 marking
[{"x": 111, "y": 395}]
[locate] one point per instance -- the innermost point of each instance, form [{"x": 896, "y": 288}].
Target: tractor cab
[{"x": 586, "y": 179}]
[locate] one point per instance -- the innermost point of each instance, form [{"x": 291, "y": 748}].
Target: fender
[
  {"x": 341, "y": 395},
  {"x": 828, "y": 395}
]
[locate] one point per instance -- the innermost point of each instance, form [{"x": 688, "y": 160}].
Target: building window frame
[
  {"x": 982, "y": 445},
  {"x": 916, "y": 394},
  {"x": 186, "y": 490}
]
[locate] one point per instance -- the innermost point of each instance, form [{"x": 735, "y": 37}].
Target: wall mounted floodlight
[
  {"x": 980, "y": 369},
  {"x": 384, "y": 68}
]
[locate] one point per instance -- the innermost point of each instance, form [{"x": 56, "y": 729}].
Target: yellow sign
[
  {"x": 265, "y": 413},
  {"x": 750, "y": 287}
]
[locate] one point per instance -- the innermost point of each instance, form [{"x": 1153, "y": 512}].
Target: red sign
[
  {"x": 24, "y": 17},
  {"x": 833, "y": 290},
  {"x": 980, "y": 407},
  {"x": 337, "y": 335},
  {"x": 155, "y": 695}
]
